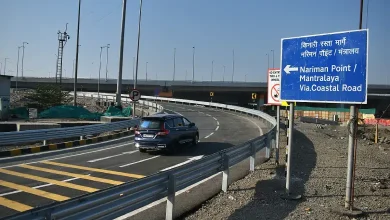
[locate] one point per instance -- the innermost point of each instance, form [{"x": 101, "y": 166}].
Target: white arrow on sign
[{"x": 288, "y": 68}]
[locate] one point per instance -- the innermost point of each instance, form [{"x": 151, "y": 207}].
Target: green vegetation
[{"x": 46, "y": 96}]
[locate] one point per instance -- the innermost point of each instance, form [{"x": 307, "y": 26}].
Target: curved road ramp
[{"x": 168, "y": 193}]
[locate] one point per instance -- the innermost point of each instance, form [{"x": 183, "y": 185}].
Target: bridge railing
[
  {"x": 30, "y": 136},
  {"x": 119, "y": 200}
]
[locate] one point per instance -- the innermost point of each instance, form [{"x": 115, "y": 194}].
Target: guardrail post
[
  {"x": 252, "y": 158},
  {"x": 81, "y": 137},
  {"x": 44, "y": 142},
  {"x": 225, "y": 173},
  {"x": 267, "y": 149},
  {"x": 171, "y": 197}
]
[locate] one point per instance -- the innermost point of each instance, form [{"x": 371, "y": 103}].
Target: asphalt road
[{"x": 50, "y": 179}]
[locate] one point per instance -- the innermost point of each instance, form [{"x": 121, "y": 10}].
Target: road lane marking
[
  {"x": 209, "y": 135},
  {"x": 215, "y": 118},
  {"x": 218, "y": 123},
  {"x": 37, "y": 187},
  {"x": 208, "y": 115},
  {"x": 94, "y": 169},
  {"x": 33, "y": 191},
  {"x": 73, "y": 155},
  {"x": 140, "y": 161},
  {"x": 46, "y": 180},
  {"x": 174, "y": 112},
  {"x": 117, "y": 155},
  {"x": 81, "y": 176},
  {"x": 189, "y": 160},
  {"x": 216, "y": 129},
  {"x": 14, "y": 205}
]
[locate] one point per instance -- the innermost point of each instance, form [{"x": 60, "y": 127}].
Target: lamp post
[{"x": 23, "y": 57}]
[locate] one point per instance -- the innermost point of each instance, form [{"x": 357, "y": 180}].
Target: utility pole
[
  {"x": 119, "y": 81},
  {"x": 77, "y": 56},
  {"x": 108, "y": 46},
  {"x": 233, "y": 67},
  {"x": 17, "y": 69},
  {"x": 138, "y": 41}
]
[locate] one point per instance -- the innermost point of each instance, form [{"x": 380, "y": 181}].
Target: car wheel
[
  {"x": 142, "y": 150},
  {"x": 196, "y": 140}
]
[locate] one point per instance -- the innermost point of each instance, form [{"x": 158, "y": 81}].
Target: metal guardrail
[
  {"x": 29, "y": 136},
  {"x": 119, "y": 200}
]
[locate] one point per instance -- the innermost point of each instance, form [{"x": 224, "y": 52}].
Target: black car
[{"x": 165, "y": 132}]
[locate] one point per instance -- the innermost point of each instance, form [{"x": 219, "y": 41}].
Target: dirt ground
[{"x": 319, "y": 167}]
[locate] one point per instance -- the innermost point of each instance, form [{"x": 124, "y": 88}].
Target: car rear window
[{"x": 150, "y": 124}]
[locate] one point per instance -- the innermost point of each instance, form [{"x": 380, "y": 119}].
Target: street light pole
[
  {"x": 17, "y": 70},
  {"x": 1, "y": 67},
  {"x": 5, "y": 66},
  {"x": 212, "y": 70},
  {"x": 233, "y": 67},
  {"x": 77, "y": 56},
  {"x": 133, "y": 67},
  {"x": 23, "y": 58},
  {"x": 138, "y": 41},
  {"x": 119, "y": 81},
  {"x": 147, "y": 71},
  {"x": 100, "y": 67},
  {"x": 193, "y": 64},
  {"x": 223, "y": 77},
  {"x": 273, "y": 58},
  {"x": 174, "y": 63},
  {"x": 108, "y": 46}
]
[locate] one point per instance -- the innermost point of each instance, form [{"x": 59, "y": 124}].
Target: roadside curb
[{"x": 63, "y": 145}]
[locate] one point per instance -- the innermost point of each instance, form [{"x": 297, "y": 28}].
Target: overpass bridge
[{"x": 238, "y": 93}]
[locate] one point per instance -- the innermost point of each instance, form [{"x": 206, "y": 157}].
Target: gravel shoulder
[{"x": 319, "y": 166}]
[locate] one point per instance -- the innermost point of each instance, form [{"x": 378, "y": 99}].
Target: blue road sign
[{"x": 329, "y": 68}]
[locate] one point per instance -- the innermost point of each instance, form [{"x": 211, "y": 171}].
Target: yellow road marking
[
  {"x": 37, "y": 192},
  {"x": 46, "y": 180},
  {"x": 14, "y": 205},
  {"x": 81, "y": 176},
  {"x": 94, "y": 169}
]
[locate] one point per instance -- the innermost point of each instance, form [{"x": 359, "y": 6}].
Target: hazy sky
[{"x": 215, "y": 27}]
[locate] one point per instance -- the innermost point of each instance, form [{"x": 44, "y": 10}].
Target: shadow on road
[{"x": 267, "y": 203}]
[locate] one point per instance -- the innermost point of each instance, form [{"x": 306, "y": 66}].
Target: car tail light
[{"x": 163, "y": 131}]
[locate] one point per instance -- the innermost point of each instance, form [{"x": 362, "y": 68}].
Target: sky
[{"x": 252, "y": 28}]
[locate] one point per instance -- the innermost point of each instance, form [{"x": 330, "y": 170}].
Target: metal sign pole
[
  {"x": 277, "y": 134},
  {"x": 290, "y": 144}
]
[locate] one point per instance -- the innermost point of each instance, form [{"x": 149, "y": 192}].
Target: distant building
[{"x": 5, "y": 91}]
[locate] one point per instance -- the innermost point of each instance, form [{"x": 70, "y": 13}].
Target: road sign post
[
  {"x": 273, "y": 98},
  {"x": 324, "y": 68},
  {"x": 135, "y": 95}
]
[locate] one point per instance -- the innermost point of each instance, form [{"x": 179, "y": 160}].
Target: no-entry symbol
[{"x": 275, "y": 92}]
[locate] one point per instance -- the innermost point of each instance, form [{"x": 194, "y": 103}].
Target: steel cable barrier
[{"x": 119, "y": 200}]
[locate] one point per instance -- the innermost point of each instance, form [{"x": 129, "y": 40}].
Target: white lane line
[
  {"x": 208, "y": 115},
  {"x": 73, "y": 155},
  {"x": 209, "y": 135},
  {"x": 117, "y": 155},
  {"x": 215, "y": 118},
  {"x": 218, "y": 123},
  {"x": 135, "y": 212},
  {"x": 185, "y": 162},
  {"x": 140, "y": 161},
  {"x": 64, "y": 150},
  {"x": 216, "y": 129},
  {"x": 40, "y": 186},
  {"x": 201, "y": 112}
]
